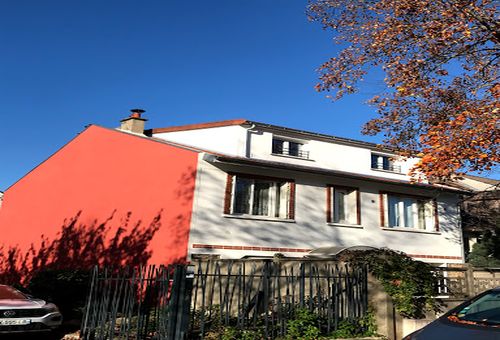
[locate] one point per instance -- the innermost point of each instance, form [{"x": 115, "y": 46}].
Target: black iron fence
[
  {"x": 264, "y": 295},
  {"x": 137, "y": 303},
  {"x": 203, "y": 300}
]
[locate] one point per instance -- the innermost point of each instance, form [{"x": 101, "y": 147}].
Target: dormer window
[
  {"x": 384, "y": 162},
  {"x": 289, "y": 148}
]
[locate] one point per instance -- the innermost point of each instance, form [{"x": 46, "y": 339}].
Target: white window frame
[
  {"x": 423, "y": 212},
  {"x": 286, "y": 146},
  {"x": 272, "y": 198},
  {"x": 353, "y": 213},
  {"x": 380, "y": 163}
]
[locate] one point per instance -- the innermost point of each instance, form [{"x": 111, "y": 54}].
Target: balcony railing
[
  {"x": 387, "y": 167},
  {"x": 291, "y": 152}
]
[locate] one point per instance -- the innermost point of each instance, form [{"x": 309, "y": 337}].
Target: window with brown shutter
[
  {"x": 343, "y": 205},
  {"x": 259, "y": 196},
  {"x": 408, "y": 212}
]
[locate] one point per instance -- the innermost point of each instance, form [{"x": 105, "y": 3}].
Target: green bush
[
  {"x": 304, "y": 325},
  {"x": 411, "y": 284},
  {"x": 231, "y": 333},
  {"x": 357, "y": 328}
]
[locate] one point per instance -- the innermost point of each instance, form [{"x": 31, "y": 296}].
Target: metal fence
[
  {"x": 263, "y": 296},
  {"x": 137, "y": 303},
  {"x": 202, "y": 300}
]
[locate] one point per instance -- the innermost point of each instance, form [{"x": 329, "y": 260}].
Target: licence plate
[{"x": 10, "y": 322}]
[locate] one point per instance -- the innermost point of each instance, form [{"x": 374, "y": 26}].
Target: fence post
[
  {"x": 184, "y": 306},
  {"x": 85, "y": 327},
  {"x": 469, "y": 280},
  {"x": 386, "y": 318}
]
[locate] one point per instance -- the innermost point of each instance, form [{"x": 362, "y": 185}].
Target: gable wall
[{"x": 99, "y": 172}]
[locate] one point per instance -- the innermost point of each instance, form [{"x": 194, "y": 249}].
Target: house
[
  {"x": 481, "y": 210},
  {"x": 237, "y": 189}
]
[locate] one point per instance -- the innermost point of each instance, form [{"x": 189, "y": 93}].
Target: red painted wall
[{"x": 100, "y": 171}]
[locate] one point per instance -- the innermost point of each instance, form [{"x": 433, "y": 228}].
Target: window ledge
[
  {"x": 294, "y": 157},
  {"x": 388, "y": 171},
  {"x": 260, "y": 218},
  {"x": 410, "y": 230},
  {"x": 342, "y": 225}
]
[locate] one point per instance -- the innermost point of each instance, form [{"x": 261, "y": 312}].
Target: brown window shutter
[
  {"x": 382, "y": 208},
  {"x": 227, "y": 195},
  {"x": 328, "y": 204},
  {"x": 436, "y": 217},
  {"x": 291, "y": 202},
  {"x": 358, "y": 207}
]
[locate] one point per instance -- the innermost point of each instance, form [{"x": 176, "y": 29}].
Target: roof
[
  {"x": 327, "y": 172},
  {"x": 249, "y": 123},
  {"x": 483, "y": 179},
  {"x": 197, "y": 126},
  {"x": 219, "y": 157},
  {"x": 329, "y": 252}
]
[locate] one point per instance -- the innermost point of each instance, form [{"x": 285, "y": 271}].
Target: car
[
  {"x": 22, "y": 313},
  {"x": 477, "y": 318}
]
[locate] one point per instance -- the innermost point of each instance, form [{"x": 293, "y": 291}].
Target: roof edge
[
  {"x": 309, "y": 134},
  {"x": 198, "y": 126},
  {"x": 329, "y": 172}
]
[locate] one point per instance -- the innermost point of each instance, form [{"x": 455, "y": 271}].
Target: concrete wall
[{"x": 213, "y": 232}]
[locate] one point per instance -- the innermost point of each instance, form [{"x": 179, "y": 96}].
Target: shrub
[
  {"x": 411, "y": 284},
  {"x": 304, "y": 325}
]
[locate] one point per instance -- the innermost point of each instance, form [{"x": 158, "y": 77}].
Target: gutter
[{"x": 320, "y": 171}]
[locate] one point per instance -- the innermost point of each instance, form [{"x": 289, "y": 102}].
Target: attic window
[
  {"x": 289, "y": 148},
  {"x": 384, "y": 162}
]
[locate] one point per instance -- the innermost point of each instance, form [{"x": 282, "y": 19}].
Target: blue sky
[{"x": 66, "y": 64}]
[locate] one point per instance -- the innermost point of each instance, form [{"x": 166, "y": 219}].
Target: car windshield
[
  {"x": 10, "y": 293},
  {"x": 485, "y": 311}
]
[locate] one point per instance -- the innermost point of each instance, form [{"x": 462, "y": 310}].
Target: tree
[
  {"x": 486, "y": 253},
  {"x": 440, "y": 58}
]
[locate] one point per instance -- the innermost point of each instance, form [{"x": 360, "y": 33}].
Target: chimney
[{"x": 134, "y": 123}]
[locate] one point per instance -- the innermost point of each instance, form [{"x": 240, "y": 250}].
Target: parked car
[
  {"x": 22, "y": 313},
  {"x": 477, "y": 318}
]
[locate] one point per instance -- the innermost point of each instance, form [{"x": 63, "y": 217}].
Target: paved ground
[{"x": 54, "y": 335}]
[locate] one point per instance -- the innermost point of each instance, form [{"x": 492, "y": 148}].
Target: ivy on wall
[{"x": 410, "y": 283}]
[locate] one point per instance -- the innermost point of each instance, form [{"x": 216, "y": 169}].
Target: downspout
[{"x": 247, "y": 141}]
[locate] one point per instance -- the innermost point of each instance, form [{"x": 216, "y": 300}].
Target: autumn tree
[{"x": 440, "y": 58}]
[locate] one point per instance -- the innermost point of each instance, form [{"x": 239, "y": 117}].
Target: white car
[{"x": 22, "y": 313}]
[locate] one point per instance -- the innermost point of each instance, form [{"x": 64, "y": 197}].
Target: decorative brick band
[
  {"x": 302, "y": 250},
  {"x": 436, "y": 257},
  {"x": 288, "y": 250}
]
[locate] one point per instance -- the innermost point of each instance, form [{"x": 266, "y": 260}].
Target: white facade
[
  {"x": 334, "y": 164},
  {"x": 256, "y": 142}
]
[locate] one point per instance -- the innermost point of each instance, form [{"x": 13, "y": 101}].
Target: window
[
  {"x": 343, "y": 205},
  {"x": 259, "y": 197},
  {"x": 289, "y": 148},
  {"x": 401, "y": 211},
  {"x": 381, "y": 162}
]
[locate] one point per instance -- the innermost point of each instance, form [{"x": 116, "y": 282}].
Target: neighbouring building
[
  {"x": 480, "y": 210},
  {"x": 236, "y": 189}
]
